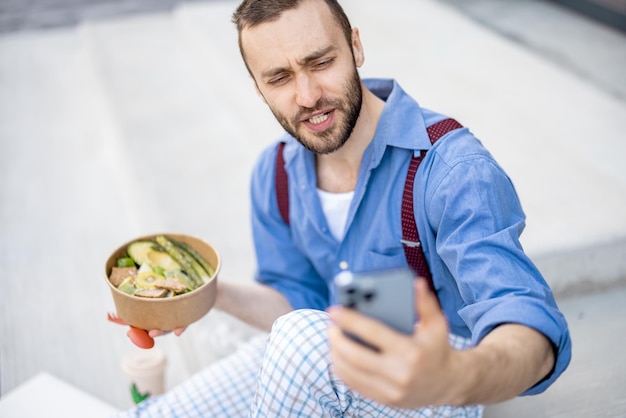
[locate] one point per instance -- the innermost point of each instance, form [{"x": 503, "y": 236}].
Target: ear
[{"x": 357, "y": 48}]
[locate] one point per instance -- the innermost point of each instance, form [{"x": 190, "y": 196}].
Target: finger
[
  {"x": 360, "y": 368},
  {"x": 382, "y": 361},
  {"x": 428, "y": 308},
  {"x": 157, "y": 333},
  {"x": 350, "y": 349},
  {"x": 368, "y": 329},
  {"x": 432, "y": 328},
  {"x": 357, "y": 324},
  {"x": 347, "y": 351}
]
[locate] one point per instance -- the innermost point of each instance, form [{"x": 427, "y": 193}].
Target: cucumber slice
[{"x": 125, "y": 262}]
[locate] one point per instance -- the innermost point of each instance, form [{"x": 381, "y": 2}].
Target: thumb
[{"x": 428, "y": 309}]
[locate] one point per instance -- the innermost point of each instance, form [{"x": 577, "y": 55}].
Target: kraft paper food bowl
[{"x": 168, "y": 313}]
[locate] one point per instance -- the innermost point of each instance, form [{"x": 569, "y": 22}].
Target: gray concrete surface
[
  {"x": 142, "y": 123},
  {"x": 21, "y": 15},
  {"x": 579, "y": 44},
  {"x": 595, "y": 383}
]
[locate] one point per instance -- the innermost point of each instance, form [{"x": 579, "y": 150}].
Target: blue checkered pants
[{"x": 285, "y": 375}]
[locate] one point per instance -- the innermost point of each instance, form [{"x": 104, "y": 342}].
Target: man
[{"x": 491, "y": 332}]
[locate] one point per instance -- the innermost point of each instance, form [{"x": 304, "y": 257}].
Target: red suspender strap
[
  {"x": 410, "y": 237},
  {"x": 281, "y": 184}
]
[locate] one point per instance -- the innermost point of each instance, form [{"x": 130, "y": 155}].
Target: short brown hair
[{"x": 251, "y": 13}]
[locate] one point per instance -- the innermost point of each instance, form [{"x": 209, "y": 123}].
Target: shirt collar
[{"x": 402, "y": 123}]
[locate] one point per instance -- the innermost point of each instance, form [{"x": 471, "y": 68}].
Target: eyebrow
[{"x": 304, "y": 61}]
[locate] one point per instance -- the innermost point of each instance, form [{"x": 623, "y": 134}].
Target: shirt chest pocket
[{"x": 380, "y": 257}]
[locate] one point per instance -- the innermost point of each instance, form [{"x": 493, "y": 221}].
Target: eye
[
  {"x": 323, "y": 64},
  {"x": 278, "y": 80}
]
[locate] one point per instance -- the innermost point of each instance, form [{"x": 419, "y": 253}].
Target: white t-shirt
[{"x": 335, "y": 207}]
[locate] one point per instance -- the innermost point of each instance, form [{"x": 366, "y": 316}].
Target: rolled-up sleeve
[{"x": 479, "y": 221}]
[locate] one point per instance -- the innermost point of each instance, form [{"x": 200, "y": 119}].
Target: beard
[{"x": 330, "y": 140}]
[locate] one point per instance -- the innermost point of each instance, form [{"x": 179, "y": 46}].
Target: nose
[{"x": 308, "y": 91}]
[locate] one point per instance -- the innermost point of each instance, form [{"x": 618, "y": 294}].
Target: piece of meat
[
  {"x": 119, "y": 274},
  {"x": 171, "y": 283},
  {"x": 152, "y": 293}
]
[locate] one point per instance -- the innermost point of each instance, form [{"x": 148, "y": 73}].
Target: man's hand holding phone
[{"x": 404, "y": 370}]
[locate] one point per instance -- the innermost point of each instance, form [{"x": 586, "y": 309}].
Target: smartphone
[{"x": 388, "y": 296}]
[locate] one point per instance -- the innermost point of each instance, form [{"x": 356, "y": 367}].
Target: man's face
[{"x": 307, "y": 74}]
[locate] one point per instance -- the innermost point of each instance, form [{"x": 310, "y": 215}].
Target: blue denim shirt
[{"x": 467, "y": 212}]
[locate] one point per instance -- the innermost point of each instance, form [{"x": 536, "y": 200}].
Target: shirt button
[{"x": 343, "y": 265}]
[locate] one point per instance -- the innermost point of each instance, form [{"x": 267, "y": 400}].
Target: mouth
[
  {"x": 317, "y": 119},
  {"x": 320, "y": 121}
]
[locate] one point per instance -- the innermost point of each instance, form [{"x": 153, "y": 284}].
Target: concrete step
[
  {"x": 148, "y": 123},
  {"x": 559, "y": 137},
  {"x": 593, "y": 385}
]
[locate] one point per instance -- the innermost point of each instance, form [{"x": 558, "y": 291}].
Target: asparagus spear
[
  {"x": 191, "y": 266},
  {"x": 206, "y": 266}
]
